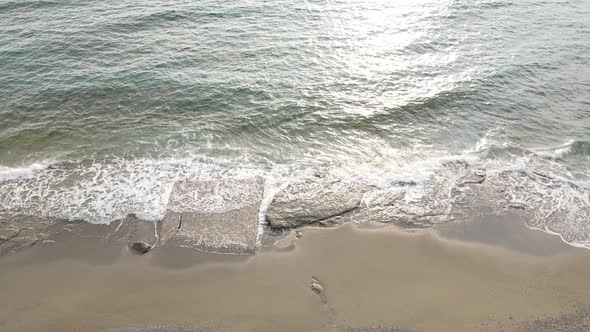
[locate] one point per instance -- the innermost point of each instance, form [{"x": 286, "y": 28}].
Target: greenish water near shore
[{"x": 104, "y": 105}]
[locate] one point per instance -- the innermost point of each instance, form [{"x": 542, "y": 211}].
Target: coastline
[
  {"x": 373, "y": 278},
  {"x": 407, "y": 166}
]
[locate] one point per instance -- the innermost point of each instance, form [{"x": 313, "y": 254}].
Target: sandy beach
[
  {"x": 276, "y": 165},
  {"x": 463, "y": 277}
]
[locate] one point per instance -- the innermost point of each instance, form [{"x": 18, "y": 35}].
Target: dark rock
[
  {"x": 141, "y": 247},
  {"x": 215, "y": 216},
  {"x": 313, "y": 200}
]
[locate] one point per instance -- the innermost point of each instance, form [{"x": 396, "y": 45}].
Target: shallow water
[{"x": 104, "y": 105}]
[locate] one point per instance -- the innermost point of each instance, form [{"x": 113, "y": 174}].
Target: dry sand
[{"x": 489, "y": 275}]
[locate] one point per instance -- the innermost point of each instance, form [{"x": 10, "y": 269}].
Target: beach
[
  {"x": 374, "y": 278},
  {"x": 278, "y": 165}
]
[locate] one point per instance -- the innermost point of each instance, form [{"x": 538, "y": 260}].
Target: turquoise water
[{"x": 103, "y": 105}]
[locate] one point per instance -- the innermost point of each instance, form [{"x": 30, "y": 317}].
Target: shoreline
[{"x": 462, "y": 277}]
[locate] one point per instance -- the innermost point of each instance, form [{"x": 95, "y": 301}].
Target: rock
[
  {"x": 131, "y": 229},
  {"x": 313, "y": 200},
  {"x": 298, "y": 234},
  {"x": 215, "y": 216},
  {"x": 20, "y": 232},
  {"x": 320, "y": 174},
  {"x": 545, "y": 176},
  {"x": 518, "y": 205},
  {"x": 335, "y": 220},
  {"x": 318, "y": 288},
  {"x": 400, "y": 216},
  {"x": 141, "y": 247},
  {"x": 477, "y": 176},
  {"x": 385, "y": 197}
]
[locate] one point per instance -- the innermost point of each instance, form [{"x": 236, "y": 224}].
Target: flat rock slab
[
  {"x": 21, "y": 232},
  {"x": 314, "y": 201},
  {"x": 215, "y": 216},
  {"x": 132, "y": 229}
]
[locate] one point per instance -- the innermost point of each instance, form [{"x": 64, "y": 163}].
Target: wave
[
  {"x": 100, "y": 191},
  {"x": 571, "y": 148},
  {"x": 13, "y": 173},
  {"x": 172, "y": 16},
  {"x": 540, "y": 184},
  {"x": 150, "y": 21},
  {"x": 581, "y": 148},
  {"x": 162, "y": 16},
  {"x": 17, "y": 5}
]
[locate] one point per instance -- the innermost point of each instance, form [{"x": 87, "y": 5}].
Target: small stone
[
  {"x": 298, "y": 234},
  {"x": 320, "y": 174},
  {"x": 141, "y": 247}
]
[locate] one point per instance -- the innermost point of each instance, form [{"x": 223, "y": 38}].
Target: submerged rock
[
  {"x": 313, "y": 200},
  {"x": 385, "y": 197},
  {"x": 21, "y": 232},
  {"x": 518, "y": 205},
  {"x": 477, "y": 176},
  {"x": 131, "y": 229},
  {"x": 141, "y": 247}
]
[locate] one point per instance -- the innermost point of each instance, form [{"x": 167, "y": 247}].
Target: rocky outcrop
[
  {"x": 401, "y": 216},
  {"x": 476, "y": 176},
  {"x": 23, "y": 231},
  {"x": 20, "y": 232},
  {"x": 131, "y": 229},
  {"x": 318, "y": 200},
  {"x": 215, "y": 216}
]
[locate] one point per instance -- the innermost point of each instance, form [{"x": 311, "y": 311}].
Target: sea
[{"x": 105, "y": 104}]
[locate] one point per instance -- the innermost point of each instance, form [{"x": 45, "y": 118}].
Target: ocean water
[{"x": 104, "y": 104}]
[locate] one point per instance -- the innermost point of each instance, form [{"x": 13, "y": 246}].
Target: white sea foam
[
  {"x": 107, "y": 190},
  {"x": 11, "y": 173},
  {"x": 555, "y": 152}
]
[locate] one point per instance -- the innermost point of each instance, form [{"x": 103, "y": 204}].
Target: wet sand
[{"x": 488, "y": 275}]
